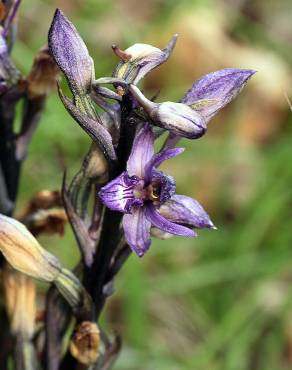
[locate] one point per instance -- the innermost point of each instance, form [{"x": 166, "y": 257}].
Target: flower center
[
  {"x": 161, "y": 188},
  {"x": 153, "y": 193}
]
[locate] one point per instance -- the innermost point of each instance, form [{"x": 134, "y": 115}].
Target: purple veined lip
[{"x": 147, "y": 197}]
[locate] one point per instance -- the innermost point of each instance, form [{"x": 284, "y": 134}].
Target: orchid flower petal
[
  {"x": 185, "y": 210},
  {"x": 213, "y": 91},
  {"x": 162, "y": 223},
  {"x": 137, "y": 231},
  {"x": 142, "y": 152},
  {"x": 159, "y": 158}
]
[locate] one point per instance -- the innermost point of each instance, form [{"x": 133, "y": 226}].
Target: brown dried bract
[
  {"x": 50, "y": 221},
  {"x": 2, "y": 11}
]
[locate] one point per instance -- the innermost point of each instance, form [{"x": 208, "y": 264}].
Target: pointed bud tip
[
  {"x": 58, "y": 13},
  {"x": 250, "y": 72}
]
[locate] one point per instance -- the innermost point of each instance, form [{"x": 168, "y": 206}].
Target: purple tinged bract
[{"x": 147, "y": 197}]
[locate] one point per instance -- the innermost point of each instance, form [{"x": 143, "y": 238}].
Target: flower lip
[
  {"x": 163, "y": 186},
  {"x": 119, "y": 194}
]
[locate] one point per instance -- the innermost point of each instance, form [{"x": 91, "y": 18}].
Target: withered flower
[
  {"x": 43, "y": 76},
  {"x": 48, "y": 221},
  {"x": 20, "y": 302},
  {"x": 85, "y": 343},
  {"x": 44, "y": 213},
  {"x": 24, "y": 253}
]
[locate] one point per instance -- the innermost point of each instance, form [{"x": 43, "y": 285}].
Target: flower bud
[
  {"x": 178, "y": 118},
  {"x": 71, "y": 54},
  {"x": 20, "y": 301},
  {"x": 24, "y": 253},
  {"x": 85, "y": 343},
  {"x": 139, "y": 59}
]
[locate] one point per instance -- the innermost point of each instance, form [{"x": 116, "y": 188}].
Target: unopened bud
[
  {"x": 24, "y": 253},
  {"x": 20, "y": 301},
  {"x": 71, "y": 54},
  {"x": 85, "y": 343},
  {"x": 139, "y": 59},
  {"x": 178, "y": 118}
]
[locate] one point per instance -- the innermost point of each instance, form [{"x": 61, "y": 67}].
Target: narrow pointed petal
[
  {"x": 137, "y": 231},
  {"x": 71, "y": 54},
  {"x": 162, "y": 223},
  {"x": 213, "y": 91},
  {"x": 142, "y": 152},
  {"x": 185, "y": 210},
  {"x": 159, "y": 158},
  {"x": 140, "y": 59},
  {"x": 118, "y": 194},
  {"x": 92, "y": 127}
]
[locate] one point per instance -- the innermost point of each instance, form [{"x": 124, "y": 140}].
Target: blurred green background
[{"x": 222, "y": 301}]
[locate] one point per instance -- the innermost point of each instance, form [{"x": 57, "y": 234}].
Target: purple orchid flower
[
  {"x": 206, "y": 97},
  {"x": 147, "y": 197}
]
